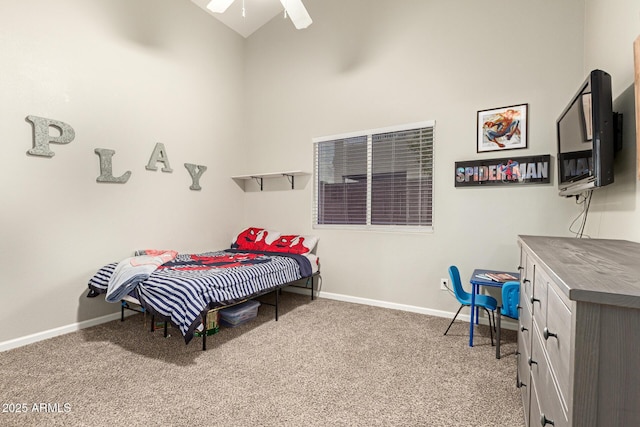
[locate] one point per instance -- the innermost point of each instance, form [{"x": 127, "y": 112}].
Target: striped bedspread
[{"x": 183, "y": 289}]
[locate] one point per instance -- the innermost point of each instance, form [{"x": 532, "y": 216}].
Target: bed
[{"x": 181, "y": 288}]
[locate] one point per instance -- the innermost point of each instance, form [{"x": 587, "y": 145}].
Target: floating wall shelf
[{"x": 259, "y": 177}]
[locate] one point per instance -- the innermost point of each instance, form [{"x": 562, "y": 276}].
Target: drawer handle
[
  {"x": 530, "y": 361},
  {"x": 544, "y": 421},
  {"x": 533, "y": 299},
  {"x": 522, "y": 329},
  {"x": 547, "y": 334},
  {"x": 526, "y": 280},
  {"x": 518, "y": 307},
  {"x": 520, "y": 267},
  {"x": 520, "y": 384}
]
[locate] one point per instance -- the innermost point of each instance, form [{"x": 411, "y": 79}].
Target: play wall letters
[{"x": 41, "y": 147}]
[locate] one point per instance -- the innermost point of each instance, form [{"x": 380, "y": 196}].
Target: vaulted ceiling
[{"x": 257, "y": 13}]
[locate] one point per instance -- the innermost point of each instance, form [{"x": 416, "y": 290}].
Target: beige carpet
[{"x": 324, "y": 363}]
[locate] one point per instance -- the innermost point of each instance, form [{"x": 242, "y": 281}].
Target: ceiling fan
[{"x": 293, "y": 8}]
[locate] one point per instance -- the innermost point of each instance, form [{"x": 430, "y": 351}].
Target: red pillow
[
  {"x": 293, "y": 244},
  {"x": 254, "y": 239}
]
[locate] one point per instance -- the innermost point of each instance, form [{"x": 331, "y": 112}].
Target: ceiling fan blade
[
  {"x": 297, "y": 12},
  {"x": 219, "y": 6}
]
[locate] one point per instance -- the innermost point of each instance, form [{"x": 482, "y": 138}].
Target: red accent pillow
[
  {"x": 254, "y": 239},
  {"x": 293, "y": 244}
]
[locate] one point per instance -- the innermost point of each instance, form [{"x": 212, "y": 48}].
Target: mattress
[{"x": 183, "y": 289}]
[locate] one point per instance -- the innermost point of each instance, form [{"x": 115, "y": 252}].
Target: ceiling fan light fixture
[
  {"x": 219, "y": 6},
  {"x": 297, "y": 13}
]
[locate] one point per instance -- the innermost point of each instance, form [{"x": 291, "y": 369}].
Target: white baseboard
[
  {"x": 506, "y": 323},
  {"x": 39, "y": 336}
]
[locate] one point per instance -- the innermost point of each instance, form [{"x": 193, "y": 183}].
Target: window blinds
[{"x": 378, "y": 179}]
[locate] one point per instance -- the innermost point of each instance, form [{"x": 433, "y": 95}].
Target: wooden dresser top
[{"x": 601, "y": 271}]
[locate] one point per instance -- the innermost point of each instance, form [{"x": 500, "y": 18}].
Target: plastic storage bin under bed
[{"x": 239, "y": 314}]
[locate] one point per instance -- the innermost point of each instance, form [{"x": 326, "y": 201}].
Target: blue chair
[
  {"x": 464, "y": 298},
  {"x": 510, "y": 306}
]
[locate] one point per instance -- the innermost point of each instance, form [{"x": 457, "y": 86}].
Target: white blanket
[{"x": 134, "y": 270}]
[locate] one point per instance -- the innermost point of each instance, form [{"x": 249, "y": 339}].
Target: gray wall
[
  {"x": 125, "y": 75},
  {"x": 610, "y": 29},
  {"x": 365, "y": 64}
]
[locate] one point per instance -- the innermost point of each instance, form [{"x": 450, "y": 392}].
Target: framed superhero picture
[{"x": 502, "y": 128}]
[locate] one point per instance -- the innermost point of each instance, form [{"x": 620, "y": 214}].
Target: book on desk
[{"x": 497, "y": 277}]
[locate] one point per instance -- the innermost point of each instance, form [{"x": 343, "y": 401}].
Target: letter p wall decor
[{"x": 42, "y": 138}]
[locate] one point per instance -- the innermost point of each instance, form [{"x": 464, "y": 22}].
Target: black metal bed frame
[{"x": 125, "y": 305}]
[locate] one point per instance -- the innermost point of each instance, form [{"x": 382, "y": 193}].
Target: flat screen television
[{"x": 586, "y": 137}]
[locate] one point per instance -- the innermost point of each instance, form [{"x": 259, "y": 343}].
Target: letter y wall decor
[{"x": 42, "y": 139}]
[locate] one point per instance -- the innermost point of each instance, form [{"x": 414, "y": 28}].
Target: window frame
[{"x": 369, "y": 136}]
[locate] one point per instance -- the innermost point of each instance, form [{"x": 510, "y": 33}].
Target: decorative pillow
[
  {"x": 293, "y": 244},
  {"x": 254, "y": 239}
]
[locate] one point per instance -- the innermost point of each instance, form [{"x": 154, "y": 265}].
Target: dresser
[{"x": 578, "y": 349}]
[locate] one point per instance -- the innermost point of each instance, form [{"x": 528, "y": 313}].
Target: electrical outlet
[{"x": 444, "y": 284}]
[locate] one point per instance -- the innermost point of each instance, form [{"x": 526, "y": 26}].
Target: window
[{"x": 375, "y": 179}]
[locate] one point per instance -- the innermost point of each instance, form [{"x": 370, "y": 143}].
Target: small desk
[{"x": 476, "y": 282}]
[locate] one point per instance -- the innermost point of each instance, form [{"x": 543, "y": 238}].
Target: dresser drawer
[
  {"x": 523, "y": 379},
  {"x": 533, "y": 416},
  {"x": 539, "y": 300},
  {"x": 525, "y": 309},
  {"x": 525, "y": 324},
  {"x": 524, "y": 345},
  {"x": 549, "y": 400},
  {"x": 557, "y": 341},
  {"x": 526, "y": 282}
]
